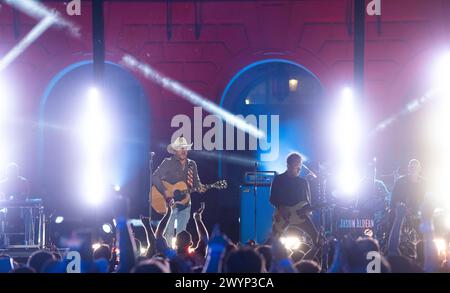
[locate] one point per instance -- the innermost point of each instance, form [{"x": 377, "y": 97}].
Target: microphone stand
[
  {"x": 255, "y": 197},
  {"x": 150, "y": 167}
]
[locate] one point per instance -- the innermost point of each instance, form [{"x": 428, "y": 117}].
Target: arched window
[
  {"x": 71, "y": 133},
  {"x": 277, "y": 89}
]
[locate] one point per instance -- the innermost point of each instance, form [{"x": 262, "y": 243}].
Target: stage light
[
  {"x": 442, "y": 74},
  {"x": 107, "y": 228},
  {"x": 94, "y": 130},
  {"x": 94, "y": 94},
  {"x": 46, "y": 17},
  {"x": 143, "y": 251},
  {"x": 177, "y": 88},
  {"x": 94, "y": 186},
  {"x": 247, "y": 101},
  {"x": 39, "y": 11},
  {"x": 38, "y": 30},
  {"x": 293, "y": 84},
  {"x": 59, "y": 220},
  {"x": 117, "y": 188},
  {"x": 447, "y": 221},
  {"x": 347, "y": 94},
  {"x": 5, "y": 114},
  {"x": 94, "y": 136},
  {"x": 291, "y": 242},
  {"x": 4, "y": 101},
  {"x": 439, "y": 137},
  {"x": 348, "y": 141},
  {"x": 174, "y": 243},
  {"x": 441, "y": 245},
  {"x": 96, "y": 246},
  {"x": 348, "y": 181}
]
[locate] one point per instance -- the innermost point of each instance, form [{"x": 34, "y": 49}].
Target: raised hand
[
  {"x": 198, "y": 214},
  {"x": 218, "y": 240},
  {"x": 202, "y": 188}
]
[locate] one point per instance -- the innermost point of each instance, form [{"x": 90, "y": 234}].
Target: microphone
[
  {"x": 310, "y": 172},
  {"x": 150, "y": 162}
]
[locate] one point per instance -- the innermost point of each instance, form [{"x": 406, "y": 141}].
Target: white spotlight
[
  {"x": 438, "y": 135},
  {"x": 174, "y": 243},
  {"x": 107, "y": 228},
  {"x": 59, "y": 220},
  {"x": 349, "y": 182},
  {"x": 293, "y": 84},
  {"x": 442, "y": 74},
  {"x": 347, "y": 93},
  {"x": 441, "y": 246},
  {"x": 447, "y": 221},
  {"x": 94, "y": 135},
  {"x": 193, "y": 97},
  {"x": 94, "y": 94},
  {"x": 3, "y": 101},
  {"x": 348, "y": 140},
  {"x": 116, "y": 187},
  {"x": 94, "y": 188},
  {"x": 96, "y": 246},
  {"x": 291, "y": 242},
  {"x": 143, "y": 251}
]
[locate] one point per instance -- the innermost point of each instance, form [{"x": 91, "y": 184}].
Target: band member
[
  {"x": 373, "y": 199},
  {"x": 373, "y": 193},
  {"x": 410, "y": 189},
  {"x": 172, "y": 170},
  {"x": 291, "y": 196},
  {"x": 16, "y": 187}
]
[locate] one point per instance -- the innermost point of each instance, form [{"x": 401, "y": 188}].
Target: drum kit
[{"x": 345, "y": 216}]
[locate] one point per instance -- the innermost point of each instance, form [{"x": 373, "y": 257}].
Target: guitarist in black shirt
[{"x": 291, "y": 196}]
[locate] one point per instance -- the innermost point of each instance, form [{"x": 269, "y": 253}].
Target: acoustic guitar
[{"x": 180, "y": 194}]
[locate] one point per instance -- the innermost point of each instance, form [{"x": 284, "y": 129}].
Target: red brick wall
[{"x": 233, "y": 35}]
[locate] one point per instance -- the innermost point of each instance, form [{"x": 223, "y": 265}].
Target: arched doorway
[
  {"x": 126, "y": 111},
  {"x": 272, "y": 88}
]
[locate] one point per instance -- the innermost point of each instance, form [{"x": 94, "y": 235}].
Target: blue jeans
[{"x": 182, "y": 218}]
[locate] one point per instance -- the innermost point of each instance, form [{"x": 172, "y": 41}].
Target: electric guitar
[
  {"x": 294, "y": 215},
  {"x": 180, "y": 193}
]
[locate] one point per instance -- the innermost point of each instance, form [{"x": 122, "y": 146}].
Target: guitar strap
[
  {"x": 279, "y": 223},
  {"x": 190, "y": 177}
]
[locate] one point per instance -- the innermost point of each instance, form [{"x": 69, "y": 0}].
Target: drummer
[{"x": 373, "y": 194}]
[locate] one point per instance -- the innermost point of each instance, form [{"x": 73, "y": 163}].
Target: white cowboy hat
[{"x": 178, "y": 144}]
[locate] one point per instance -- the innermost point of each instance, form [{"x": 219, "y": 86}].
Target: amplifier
[
  {"x": 259, "y": 177},
  {"x": 258, "y": 207}
]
